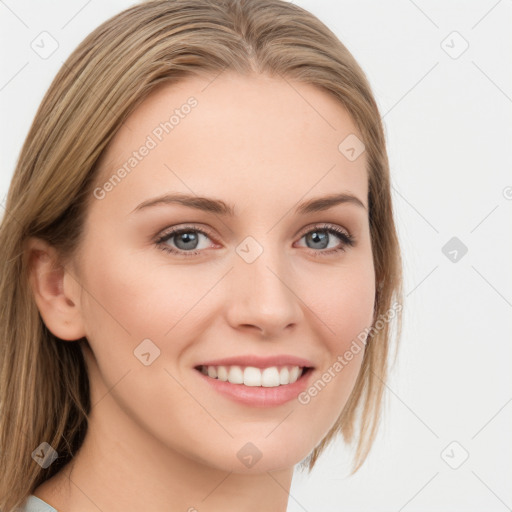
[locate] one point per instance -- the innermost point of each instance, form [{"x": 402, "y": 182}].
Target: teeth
[
  {"x": 222, "y": 373},
  {"x": 294, "y": 373},
  {"x": 270, "y": 377},
  {"x": 235, "y": 375},
  {"x": 284, "y": 376},
  {"x": 254, "y": 377}
]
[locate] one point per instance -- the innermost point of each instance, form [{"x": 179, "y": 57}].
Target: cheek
[
  {"x": 343, "y": 300},
  {"x": 139, "y": 294},
  {"x": 344, "y": 312}
]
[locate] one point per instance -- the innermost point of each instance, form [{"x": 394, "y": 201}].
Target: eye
[
  {"x": 320, "y": 237},
  {"x": 186, "y": 240}
]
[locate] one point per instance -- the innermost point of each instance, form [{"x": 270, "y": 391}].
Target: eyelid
[
  {"x": 323, "y": 225},
  {"x": 179, "y": 228},
  {"x": 171, "y": 231}
]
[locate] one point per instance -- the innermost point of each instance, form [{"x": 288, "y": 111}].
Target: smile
[
  {"x": 271, "y": 377},
  {"x": 266, "y": 386}
]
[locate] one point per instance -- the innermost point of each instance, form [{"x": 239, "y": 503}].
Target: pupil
[
  {"x": 186, "y": 238},
  {"x": 319, "y": 237}
]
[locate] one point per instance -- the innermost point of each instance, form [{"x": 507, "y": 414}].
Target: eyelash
[{"x": 347, "y": 240}]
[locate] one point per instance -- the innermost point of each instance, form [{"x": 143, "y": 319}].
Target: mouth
[
  {"x": 251, "y": 376},
  {"x": 263, "y": 385}
]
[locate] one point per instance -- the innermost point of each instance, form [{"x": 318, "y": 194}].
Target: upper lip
[{"x": 259, "y": 362}]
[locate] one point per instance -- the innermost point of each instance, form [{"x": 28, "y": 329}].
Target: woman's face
[{"x": 253, "y": 287}]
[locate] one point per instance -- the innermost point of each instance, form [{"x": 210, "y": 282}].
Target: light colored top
[{"x": 35, "y": 504}]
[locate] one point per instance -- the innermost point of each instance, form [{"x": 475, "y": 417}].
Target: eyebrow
[{"x": 219, "y": 207}]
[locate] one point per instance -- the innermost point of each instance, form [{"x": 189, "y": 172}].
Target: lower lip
[{"x": 259, "y": 396}]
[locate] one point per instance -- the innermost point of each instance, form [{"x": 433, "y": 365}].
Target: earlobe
[{"x": 59, "y": 308}]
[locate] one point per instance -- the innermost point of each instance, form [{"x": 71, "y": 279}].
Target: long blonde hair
[{"x": 44, "y": 387}]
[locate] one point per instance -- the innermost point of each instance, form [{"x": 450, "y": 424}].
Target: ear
[{"x": 56, "y": 292}]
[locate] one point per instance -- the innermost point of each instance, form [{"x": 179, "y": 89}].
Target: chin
[{"x": 259, "y": 454}]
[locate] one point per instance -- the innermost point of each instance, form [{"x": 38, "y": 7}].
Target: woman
[{"x": 199, "y": 265}]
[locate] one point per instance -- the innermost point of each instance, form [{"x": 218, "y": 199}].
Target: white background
[{"x": 449, "y": 132}]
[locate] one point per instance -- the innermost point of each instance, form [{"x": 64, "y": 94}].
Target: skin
[{"x": 261, "y": 145}]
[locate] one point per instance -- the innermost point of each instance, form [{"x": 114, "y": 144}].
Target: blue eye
[
  {"x": 320, "y": 236},
  {"x": 186, "y": 240}
]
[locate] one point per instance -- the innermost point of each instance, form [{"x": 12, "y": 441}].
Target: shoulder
[{"x": 35, "y": 504}]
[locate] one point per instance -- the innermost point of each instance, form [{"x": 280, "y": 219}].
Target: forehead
[{"x": 233, "y": 136}]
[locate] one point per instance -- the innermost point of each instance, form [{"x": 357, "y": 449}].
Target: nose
[{"x": 262, "y": 295}]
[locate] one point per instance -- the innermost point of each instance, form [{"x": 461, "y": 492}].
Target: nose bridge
[{"x": 263, "y": 287}]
